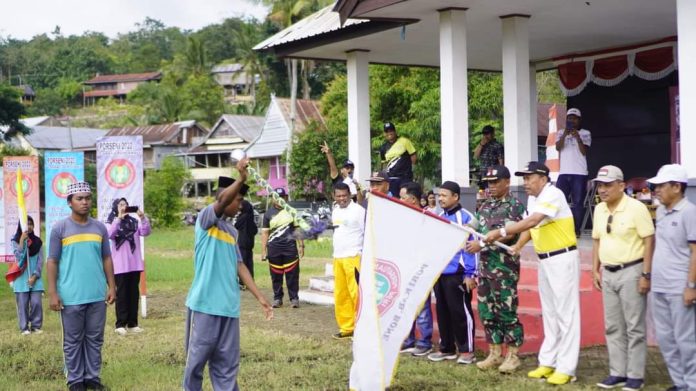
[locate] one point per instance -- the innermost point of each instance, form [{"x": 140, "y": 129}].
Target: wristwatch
[
  {"x": 645, "y": 275},
  {"x": 691, "y": 285}
]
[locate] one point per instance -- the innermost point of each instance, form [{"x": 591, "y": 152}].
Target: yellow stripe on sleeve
[{"x": 79, "y": 238}]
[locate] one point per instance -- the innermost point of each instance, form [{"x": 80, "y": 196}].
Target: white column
[
  {"x": 359, "y": 113},
  {"x": 454, "y": 103},
  {"x": 516, "y": 96},
  {"x": 533, "y": 124},
  {"x": 686, "y": 47}
]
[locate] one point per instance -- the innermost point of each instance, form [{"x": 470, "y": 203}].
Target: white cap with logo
[
  {"x": 608, "y": 174},
  {"x": 670, "y": 173},
  {"x": 574, "y": 111}
]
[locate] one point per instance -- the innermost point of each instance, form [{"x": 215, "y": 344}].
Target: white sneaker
[
  {"x": 121, "y": 331},
  {"x": 135, "y": 329},
  {"x": 26, "y": 332}
]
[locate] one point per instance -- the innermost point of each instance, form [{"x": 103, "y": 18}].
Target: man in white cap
[
  {"x": 80, "y": 284},
  {"x": 572, "y": 144},
  {"x": 550, "y": 226},
  {"x": 673, "y": 284},
  {"x": 622, "y": 236}
]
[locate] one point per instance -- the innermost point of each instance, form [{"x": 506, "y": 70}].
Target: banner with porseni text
[
  {"x": 27, "y": 169},
  {"x": 61, "y": 169},
  {"x": 119, "y": 172},
  {"x": 404, "y": 252}
]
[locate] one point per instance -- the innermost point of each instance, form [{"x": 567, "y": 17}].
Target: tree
[
  {"x": 11, "y": 110},
  {"x": 308, "y": 166},
  {"x": 246, "y": 37},
  {"x": 163, "y": 192},
  {"x": 196, "y": 57}
]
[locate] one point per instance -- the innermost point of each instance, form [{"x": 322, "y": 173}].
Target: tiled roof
[{"x": 127, "y": 77}]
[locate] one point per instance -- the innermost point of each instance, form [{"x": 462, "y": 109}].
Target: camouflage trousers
[{"x": 497, "y": 307}]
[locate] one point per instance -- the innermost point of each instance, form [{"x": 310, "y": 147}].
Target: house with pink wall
[{"x": 271, "y": 145}]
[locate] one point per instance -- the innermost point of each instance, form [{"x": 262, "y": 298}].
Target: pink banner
[{"x": 30, "y": 185}]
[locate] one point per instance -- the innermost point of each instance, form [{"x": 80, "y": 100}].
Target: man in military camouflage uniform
[{"x": 499, "y": 273}]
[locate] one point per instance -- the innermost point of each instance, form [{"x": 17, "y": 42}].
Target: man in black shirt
[{"x": 283, "y": 250}]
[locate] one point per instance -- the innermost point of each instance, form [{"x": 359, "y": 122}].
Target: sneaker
[
  {"x": 633, "y": 384},
  {"x": 135, "y": 329},
  {"x": 37, "y": 331},
  {"x": 277, "y": 303},
  {"x": 341, "y": 335},
  {"x": 540, "y": 373},
  {"x": 26, "y": 332},
  {"x": 559, "y": 379},
  {"x": 612, "y": 382},
  {"x": 295, "y": 303},
  {"x": 77, "y": 387},
  {"x": 407, "y": 348},
  {"x": 121, "y": 331},
  {"x": 420, "y": 352},
  {"x": 439, "y": 356},
  {"x": 94, "y": 385},
  {"x": 466, "y": 358}
]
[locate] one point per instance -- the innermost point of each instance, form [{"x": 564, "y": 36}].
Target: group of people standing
[{"x": 89, "y": 266}]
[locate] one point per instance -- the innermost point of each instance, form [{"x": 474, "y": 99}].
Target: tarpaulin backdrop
[
  {"x": 30, "y": 185},
  {"x": 119, "y": 172},
  {"x": 61, "y": 169}
]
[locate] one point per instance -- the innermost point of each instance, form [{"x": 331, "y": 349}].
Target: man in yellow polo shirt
[
  {"x": 622, "y": 237},
  {"x": 549, "y": 223}
]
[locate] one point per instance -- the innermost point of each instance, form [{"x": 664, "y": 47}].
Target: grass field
[{"x": 294, "y": 351}]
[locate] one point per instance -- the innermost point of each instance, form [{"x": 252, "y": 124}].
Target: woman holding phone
[{"x": 124, "y": 234}]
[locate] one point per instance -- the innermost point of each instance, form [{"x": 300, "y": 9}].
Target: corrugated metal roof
[
  {"x": 239, "y": 130},
  {"x": 306, "y": 111},
  {"x": 273, "y": 139},
  {"x": 227, "y": 68},
  {"x": 318, "y": 23},
  {"x": 58, "y": 138},
  {"x": 126, "y": 77},
  {"x": 247, "y": 127},
  {"x": 156, "y": 134}
]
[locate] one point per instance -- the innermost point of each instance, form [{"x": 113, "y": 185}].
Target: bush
[{"x": 163, "y": 198}]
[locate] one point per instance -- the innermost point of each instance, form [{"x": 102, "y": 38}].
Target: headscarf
[
  {"x": 127, "y": 228},
  {"x": 34, "y": 242}
]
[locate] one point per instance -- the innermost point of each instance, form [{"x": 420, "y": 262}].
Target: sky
[{"x": 23, "y": 19}]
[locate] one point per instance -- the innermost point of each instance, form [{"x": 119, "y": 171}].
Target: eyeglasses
[{"x": 609, "y": 221}]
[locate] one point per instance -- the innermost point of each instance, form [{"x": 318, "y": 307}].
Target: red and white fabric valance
[{"x": 610, "y": 67}]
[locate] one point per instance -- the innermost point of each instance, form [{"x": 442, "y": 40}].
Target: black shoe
[
  {"x": 77, "y": 386},
  {"x": 94, "y": 385},
  {"x": 340, "y": 335}
]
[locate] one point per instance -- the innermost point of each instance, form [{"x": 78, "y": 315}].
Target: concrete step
[
  {"x": 322, "y": 284},
  {"x": 316, "y": 297}
]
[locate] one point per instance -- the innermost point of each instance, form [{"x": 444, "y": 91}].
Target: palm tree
[
  {"x": 195, "y": 56},
  {"x": 284, "y": 13},
  {"x": 245, "y": 39}
]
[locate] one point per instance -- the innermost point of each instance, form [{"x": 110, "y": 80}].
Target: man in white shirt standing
[
  {"x": 572, "y": 144},
  {"x": 348, "y": 220}
]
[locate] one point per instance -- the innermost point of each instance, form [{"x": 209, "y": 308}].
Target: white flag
[{"x": 404, "y": 252}]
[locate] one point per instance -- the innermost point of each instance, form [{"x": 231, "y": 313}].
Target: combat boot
[
  {"x": 512, "y": 362},
  {"x": 495, "y": 358}
]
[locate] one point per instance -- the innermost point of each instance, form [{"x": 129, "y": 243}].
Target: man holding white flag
[{"x": 397, "y": 272}]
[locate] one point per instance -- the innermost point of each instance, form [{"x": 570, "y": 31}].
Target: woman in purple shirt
[{"x": 124, "y": 234}]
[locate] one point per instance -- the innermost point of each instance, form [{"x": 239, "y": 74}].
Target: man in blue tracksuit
[{"x": 454, "y": 289}]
